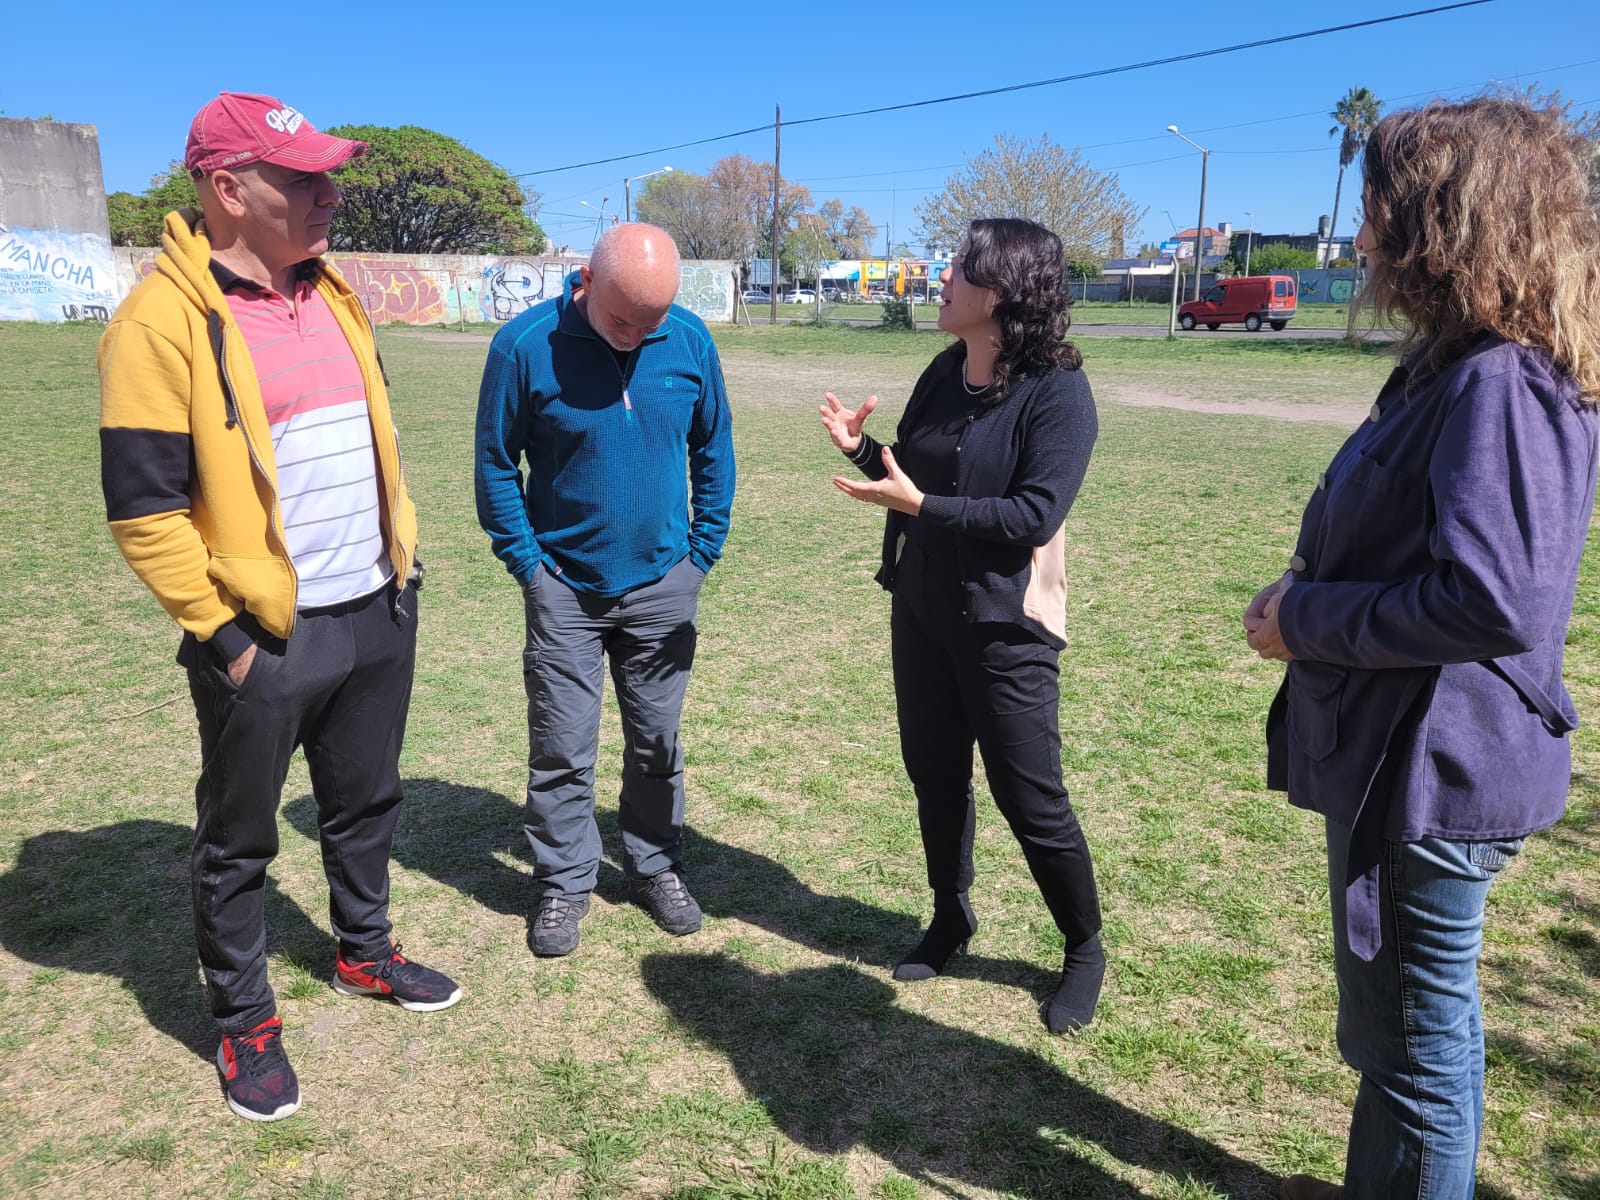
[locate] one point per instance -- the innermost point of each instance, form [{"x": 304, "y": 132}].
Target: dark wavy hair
[{"x": 1026, "y": 268}]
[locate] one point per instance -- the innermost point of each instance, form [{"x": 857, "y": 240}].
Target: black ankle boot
[
  {"x": 952, "y": 924},
  {"x": 1082, "y": 971}
]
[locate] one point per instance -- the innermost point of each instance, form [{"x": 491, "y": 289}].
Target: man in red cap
[{"x": 253, "y": 480}]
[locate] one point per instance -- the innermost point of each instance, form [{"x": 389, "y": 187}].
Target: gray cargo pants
[{"x": 649, "y": 636}]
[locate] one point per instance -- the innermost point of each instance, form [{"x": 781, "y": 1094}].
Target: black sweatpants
[
  {"x": 341, "y": 687},
  {"x": 997, "y": 686}
]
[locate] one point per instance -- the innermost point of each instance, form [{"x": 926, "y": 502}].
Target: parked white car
[{"x": 801, "y": 296}]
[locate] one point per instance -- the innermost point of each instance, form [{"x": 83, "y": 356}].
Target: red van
[{"x": 1250, "y": 300}]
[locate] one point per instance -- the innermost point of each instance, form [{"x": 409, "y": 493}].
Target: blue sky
[{"x": 540, "y": 86}]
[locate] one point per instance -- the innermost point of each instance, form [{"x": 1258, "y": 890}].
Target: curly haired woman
[
  {"x": 1425, "y": 611},
  {"x": 987, "y": 460}
]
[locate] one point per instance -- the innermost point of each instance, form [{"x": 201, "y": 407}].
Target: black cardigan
[{"x": 1021, "y": 466}]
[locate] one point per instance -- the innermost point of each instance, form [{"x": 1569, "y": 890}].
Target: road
[{"x": 1293, "y": 332}]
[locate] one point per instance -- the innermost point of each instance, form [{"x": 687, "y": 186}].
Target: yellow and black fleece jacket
[{"x": 186, "y": 456}]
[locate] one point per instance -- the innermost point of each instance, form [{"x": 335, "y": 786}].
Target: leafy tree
[
  {"x": 1041, "y": 182},
  {"x": 690, "y": 209},
  {"x": 137, "y": 220},
  {"x": 128, "y": 216},
  {"x": 1149, "y": 250},
  {"x": 1280, "y": 256},
  {"x": 1355, "y": 117},
  {"x": 807, "y": 247},
  {"x": 726, "y": 213},
  {"x": 851, "y": 230},
  {"x": 418, "y": 191}
]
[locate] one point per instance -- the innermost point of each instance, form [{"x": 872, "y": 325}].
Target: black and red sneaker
[
  {"x": 256, "y": 1074},
  {"x": 409, "y": 984}
]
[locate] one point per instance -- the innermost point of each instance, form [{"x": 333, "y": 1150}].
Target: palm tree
[{"x": 1355, "y": 116}]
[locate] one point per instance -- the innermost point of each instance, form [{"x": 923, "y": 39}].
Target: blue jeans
[{"x": 1409, "y": 1020}]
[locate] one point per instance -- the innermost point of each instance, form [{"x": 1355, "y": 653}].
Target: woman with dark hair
[
  {"x": 987, "y": 460},
  {"x": 1425, "y": 609}
]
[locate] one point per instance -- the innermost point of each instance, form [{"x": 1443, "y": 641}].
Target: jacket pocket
[
  {"x": 1374, "y": 477},
  {"x": 265, "y": 585},
  {"x": 1316, "y": 691}
]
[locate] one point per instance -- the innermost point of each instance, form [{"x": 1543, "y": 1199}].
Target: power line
[
  {"x": 1162, "y": 137},
  {"x": 1100, "y": 73},
  {"x": 1319, "y": 112}
]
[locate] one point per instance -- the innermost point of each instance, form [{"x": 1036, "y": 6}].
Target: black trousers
[
  {"x": 341, "y": 688},
  {"x": 995, "y": 686}
]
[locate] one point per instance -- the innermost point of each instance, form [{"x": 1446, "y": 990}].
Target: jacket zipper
[
  {"x": 231, "y": 406},
  {"x": 400, "y": 462},
  {"x": 624, "y": 374}
]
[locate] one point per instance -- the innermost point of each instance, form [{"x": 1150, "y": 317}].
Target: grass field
[{"x": 769, "y": 1057}]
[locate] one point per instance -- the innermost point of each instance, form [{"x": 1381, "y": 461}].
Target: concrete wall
[
  {"x": 55, "y": 247},
  {"x": 434, "y": 289}
]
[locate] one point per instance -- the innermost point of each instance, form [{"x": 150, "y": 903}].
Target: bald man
[{"x": 613, "y": 397}]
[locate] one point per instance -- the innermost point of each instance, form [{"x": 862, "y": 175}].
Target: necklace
[{"x": 972, "y": 391}]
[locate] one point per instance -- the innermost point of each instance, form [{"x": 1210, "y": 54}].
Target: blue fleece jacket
[{"x": 618, "y": 454}]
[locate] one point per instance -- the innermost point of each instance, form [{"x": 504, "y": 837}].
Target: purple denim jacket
[{"x": 1433, "y": 584}]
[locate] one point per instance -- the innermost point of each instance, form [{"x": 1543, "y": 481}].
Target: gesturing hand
[
  {"x": 843, "y": 424},
  {"x": 894, "y": 491}
]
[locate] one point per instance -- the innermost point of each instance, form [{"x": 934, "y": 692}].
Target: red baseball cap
[{"x": 238, "y": 128}]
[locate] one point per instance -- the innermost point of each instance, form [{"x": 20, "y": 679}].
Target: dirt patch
[{"x": 1342, "y": 412}]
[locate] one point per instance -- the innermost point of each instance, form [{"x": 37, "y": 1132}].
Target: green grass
[{"x": 770, "y": 1056}]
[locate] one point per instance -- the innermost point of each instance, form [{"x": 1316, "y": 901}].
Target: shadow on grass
[
  {"x": 114, "y": 901},
  {"x": 452, "y": 834},
  {"x": 838, "y": 1065}
]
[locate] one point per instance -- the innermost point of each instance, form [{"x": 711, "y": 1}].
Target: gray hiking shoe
[
  {"x": 554, "y": 931},
  {"x": 668, "y": 901}
]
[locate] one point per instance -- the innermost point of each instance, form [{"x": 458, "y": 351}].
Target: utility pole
[
  {"x": 1172, "y": 314},
  {"x": 1249, "y": 236},
  {"x": 1200, "y": 228},
  {"x": 777, "y": 145},
  {"x": 1355, "y": 278},
  {"x": 888, "y": 241}
]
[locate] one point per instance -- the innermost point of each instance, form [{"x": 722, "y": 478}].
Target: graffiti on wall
[
  {"x": 516, "y": 285},
  {"x": 706, "y": 289},
  {"x": 1325, "y": 285},
  {"x": 51, "y": 276},
  {"x": 393, "y": 291},
  {"x": 473, "y": 288}
]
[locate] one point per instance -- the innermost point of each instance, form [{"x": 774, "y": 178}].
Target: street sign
[{"x": 1172, "y": 247}]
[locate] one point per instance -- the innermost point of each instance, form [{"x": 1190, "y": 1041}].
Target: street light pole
[
  {"x": 1200, "y": 229},
  {"x": 627, "y": 191},
  {"x": 1249, "y": 234},
  {"x": 600, "y": 221}
]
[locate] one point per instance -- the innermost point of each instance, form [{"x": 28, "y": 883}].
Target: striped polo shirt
[{"x": 316, "y": 404}]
